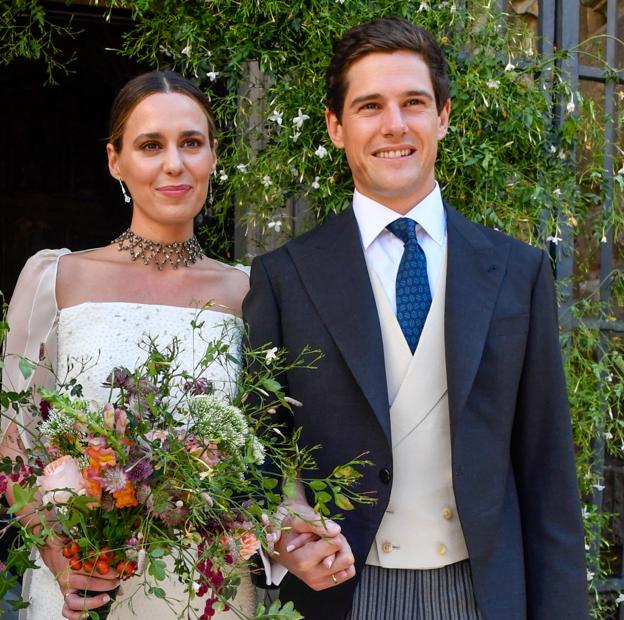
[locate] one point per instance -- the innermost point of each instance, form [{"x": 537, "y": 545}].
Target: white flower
[
  {"x": 212, "y": 75},
  {"x": 562, "y": 154},
  {"x": 340, "y": 1},
  {"x": 603, "y": 239},
  {"x": 423, "y": 6},
  {"x": 557, "y": 192},
  {"x": 321, "y": 152},
  {"x": 494, "y": 84},
  {"x": 299, "y": 119},
  {"x": 276, "y": 117},
  {"x": 590, "y": 575},
  {"x": 166, "y": 51},
  {"x": 570, "y": 107},
  {"x": 276, "y": 225},
  {"x": 295, "y": 135},
  {"x": 315, "y": 183},
  {"x": 186, "y": 51},
  {"x": 553, "y": 148},
  {"x": 608, "y": 435},
  {"x": 223, "y": 176},
  {"x": 266, "y": 180},
  {"x": 453, "y": 8},
  {"x": 554, "y": 239},
  {"x": 509, "y": 66},
  {"x": 271, "y": 354},
  {"x": 599, "y": 487},
  {"x": 242, "y": 168},
  {"x": 620, "y": 598},
  {"x": 196, "y": 586},
  {"x": 621, "y": 170}
]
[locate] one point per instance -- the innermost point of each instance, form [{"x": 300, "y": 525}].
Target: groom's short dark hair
[{"x": 388, "y": 34}]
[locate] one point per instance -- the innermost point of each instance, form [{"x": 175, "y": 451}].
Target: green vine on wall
[{"x": 506, "y": 162}]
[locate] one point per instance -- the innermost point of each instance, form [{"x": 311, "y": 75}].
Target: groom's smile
[{"x": 390, "y": 128}]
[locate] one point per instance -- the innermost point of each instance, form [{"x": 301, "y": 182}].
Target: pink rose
[{"x": 59, "y": 479}]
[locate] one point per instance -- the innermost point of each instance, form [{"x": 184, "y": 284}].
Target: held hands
[
  {"x": 70, "y": 582},
  {"x": 317, "y": 554}
]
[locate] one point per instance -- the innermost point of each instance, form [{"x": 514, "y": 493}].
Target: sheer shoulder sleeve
[{"x": 32, "y": 319}]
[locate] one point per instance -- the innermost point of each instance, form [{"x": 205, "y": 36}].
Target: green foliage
[{"x": 27, "y": 32}]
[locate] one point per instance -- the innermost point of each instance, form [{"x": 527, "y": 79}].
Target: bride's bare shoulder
[
  {"x": 78, "y": 271},
  {"x": 232, "y": 282}
]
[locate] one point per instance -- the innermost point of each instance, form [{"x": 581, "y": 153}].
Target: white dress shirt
[{"x": 383, "y": 250}]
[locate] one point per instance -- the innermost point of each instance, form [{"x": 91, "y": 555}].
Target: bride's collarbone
[{"x": 89, "y": 278}]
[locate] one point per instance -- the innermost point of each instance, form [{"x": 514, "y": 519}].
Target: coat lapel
[
  {"x": 474, "y": 274},
  {"x": 333, "y": 270}
]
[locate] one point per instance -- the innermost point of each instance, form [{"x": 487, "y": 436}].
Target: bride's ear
[{"x": 113, "y": 161}]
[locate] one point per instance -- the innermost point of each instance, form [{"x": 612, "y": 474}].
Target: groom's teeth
[{"x": 394, "y": 154}]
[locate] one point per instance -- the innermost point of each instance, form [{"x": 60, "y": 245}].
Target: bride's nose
[{"x": 173, "y": 161}]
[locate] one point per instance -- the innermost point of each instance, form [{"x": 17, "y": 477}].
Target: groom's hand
[{"x": 313, "y": 550}]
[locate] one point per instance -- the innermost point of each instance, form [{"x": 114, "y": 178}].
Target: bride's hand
[{"x": 75, "y": 606}]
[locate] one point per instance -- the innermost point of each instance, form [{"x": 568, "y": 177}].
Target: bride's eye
[{"x": 150, "y": 146}]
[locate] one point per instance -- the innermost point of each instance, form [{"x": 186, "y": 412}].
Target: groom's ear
[{"x": 334, "y": 128}]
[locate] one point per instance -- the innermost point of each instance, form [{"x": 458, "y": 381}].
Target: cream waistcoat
[{"x": 420, "y": 528}]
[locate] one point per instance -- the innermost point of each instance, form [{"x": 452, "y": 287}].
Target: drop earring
[
  {"x": 127, "y": 197},
  {"x": 210, "y": 196}
]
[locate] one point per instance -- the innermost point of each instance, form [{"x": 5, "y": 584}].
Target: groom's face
[{"x": 390, "y": 128}]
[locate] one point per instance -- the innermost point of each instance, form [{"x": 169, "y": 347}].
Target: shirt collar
[{"x": 372, "y": 217}]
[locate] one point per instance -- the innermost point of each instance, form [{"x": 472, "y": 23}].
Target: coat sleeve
[
  {"x": 32, "y": 318},
  {"x": 544, "y": 465}
]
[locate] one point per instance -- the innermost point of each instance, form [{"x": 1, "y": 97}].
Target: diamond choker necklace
[{"x": 185, "y": 252}]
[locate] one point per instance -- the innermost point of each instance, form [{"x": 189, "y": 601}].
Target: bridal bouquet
[{"x": 169, "y": 475}]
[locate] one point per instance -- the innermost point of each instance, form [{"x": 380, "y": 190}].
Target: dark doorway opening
[{"x": 54, "y": 182}]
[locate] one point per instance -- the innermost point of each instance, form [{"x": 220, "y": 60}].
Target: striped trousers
[{"x": 396, "y": 594}]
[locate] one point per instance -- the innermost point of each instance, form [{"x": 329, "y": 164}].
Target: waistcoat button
[
  {"x": 386, "y": 547},
  {"x": 447, "y": 513}
]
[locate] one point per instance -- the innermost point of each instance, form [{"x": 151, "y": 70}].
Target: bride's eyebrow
[{"x": 156, "y": 135}]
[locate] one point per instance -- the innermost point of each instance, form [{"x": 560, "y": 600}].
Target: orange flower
[
  {"x": 94, "y": 488},
  {"x": 126, "y": 497},
  {"x": 248, "y": 545},
  {"x": 100, "y": 457}
]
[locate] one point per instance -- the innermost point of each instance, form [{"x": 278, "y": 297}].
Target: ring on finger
[{"x": 334, "y": 578}]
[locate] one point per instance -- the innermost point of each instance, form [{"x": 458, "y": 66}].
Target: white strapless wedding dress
[{"x": 100, "y": 336}]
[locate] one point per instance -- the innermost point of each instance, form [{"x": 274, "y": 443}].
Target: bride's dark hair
[{"x": 148, "y": 84}]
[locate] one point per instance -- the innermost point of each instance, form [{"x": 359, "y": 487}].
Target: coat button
[
  {"x": 386, "y": 546},
  {"x": 447, "y": 513},
  {"x": 441, "y": 549},
  {"x": 385, "y": 475}
]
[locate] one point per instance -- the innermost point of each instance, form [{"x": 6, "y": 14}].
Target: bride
[{"x": 98, "y": 304}]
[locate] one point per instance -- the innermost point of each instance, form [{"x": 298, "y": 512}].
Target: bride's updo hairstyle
[{"x": 148, "y": 84}]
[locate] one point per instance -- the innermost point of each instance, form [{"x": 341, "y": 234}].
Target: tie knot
[{"x": 404, "y": 228}]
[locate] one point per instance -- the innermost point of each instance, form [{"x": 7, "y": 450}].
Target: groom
[{"x": 441, "y": 360}]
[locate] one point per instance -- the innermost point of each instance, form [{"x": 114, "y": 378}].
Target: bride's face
[{"x": 165, "y": 160}]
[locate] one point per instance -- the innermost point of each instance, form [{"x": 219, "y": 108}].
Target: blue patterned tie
[{"x": 413, "y": 297}]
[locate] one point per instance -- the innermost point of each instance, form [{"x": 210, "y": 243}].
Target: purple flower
[
  {"x": 198, "y": 387},
  {"x": 119, "y": 377},
  {"x": 140, "y": 469}
]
